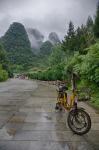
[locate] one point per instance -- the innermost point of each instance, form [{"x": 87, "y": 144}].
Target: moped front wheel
[{"x": 79, "y": 121}]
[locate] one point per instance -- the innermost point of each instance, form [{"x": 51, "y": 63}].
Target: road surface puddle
[
  {"x": 48, "y": 117},
  {"x": 4, "y": 134},
  {"x": 17, "y": 119}
]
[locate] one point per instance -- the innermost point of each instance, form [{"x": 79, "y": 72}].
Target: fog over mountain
[
  {"x": 36, "y": 38},
  {"x": 53, "y": 38},
  {"x": 45, "y": 15}
]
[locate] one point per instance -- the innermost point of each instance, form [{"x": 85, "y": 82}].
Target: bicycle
[{"x": 78, "y": 119}]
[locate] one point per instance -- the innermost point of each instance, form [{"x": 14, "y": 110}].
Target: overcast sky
[{"x": 45, "y": 15}]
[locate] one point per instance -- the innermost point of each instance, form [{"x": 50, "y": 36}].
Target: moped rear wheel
[{"x": 79, "y": 121}]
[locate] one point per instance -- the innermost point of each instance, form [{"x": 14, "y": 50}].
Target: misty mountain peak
[
  {"x": 36, "y": 34},
  {"x": 36, "y": 39},
  {"x": 54, "y": 38},
  {"x": 17, "y": 45}
]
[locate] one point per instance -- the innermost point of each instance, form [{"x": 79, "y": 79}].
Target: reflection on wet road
[{"x": 28, "y": 120}]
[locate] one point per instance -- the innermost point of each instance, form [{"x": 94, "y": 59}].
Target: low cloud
[{"x": 45, "y": 15}]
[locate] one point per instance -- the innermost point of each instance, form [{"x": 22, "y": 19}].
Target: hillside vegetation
[
  {"x": 17, "y": 45},
  {"x": 78, "y": 53},
  {"x": 4, "y": 67}
]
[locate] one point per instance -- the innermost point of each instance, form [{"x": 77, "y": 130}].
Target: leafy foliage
[
  {"x": 3, "y": 65},
  {"x": 46, "y": 49},
  {"x": 86, "y": 66},
  {"x": 3, "y": 74},
  {"x": 54, "y": 73},
  {"x": 2, "y": 54},
  {"x": 90, "y": 65},
  {"x": 57, "y": 56}
]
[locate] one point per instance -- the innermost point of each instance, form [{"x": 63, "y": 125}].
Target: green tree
[
  {"x": 96, "y": 24},
  {"x": 78, "y": 40},
  {"x": 46, "y": 49},
  {"x": 90, "y": 23},
  {"x": 3, "y": 64},
  {"x": 3, "y": 74},
  {"x": 71, "y": 31},
  {"x": 84, "y": 38},
  {"x": 2, "y": 55},
  {"x": 57, "y": 56},
  {"x": 68, "y": 44}
]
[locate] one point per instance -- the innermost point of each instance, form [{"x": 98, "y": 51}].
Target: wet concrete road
[{"x": 28, "y": 120}]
